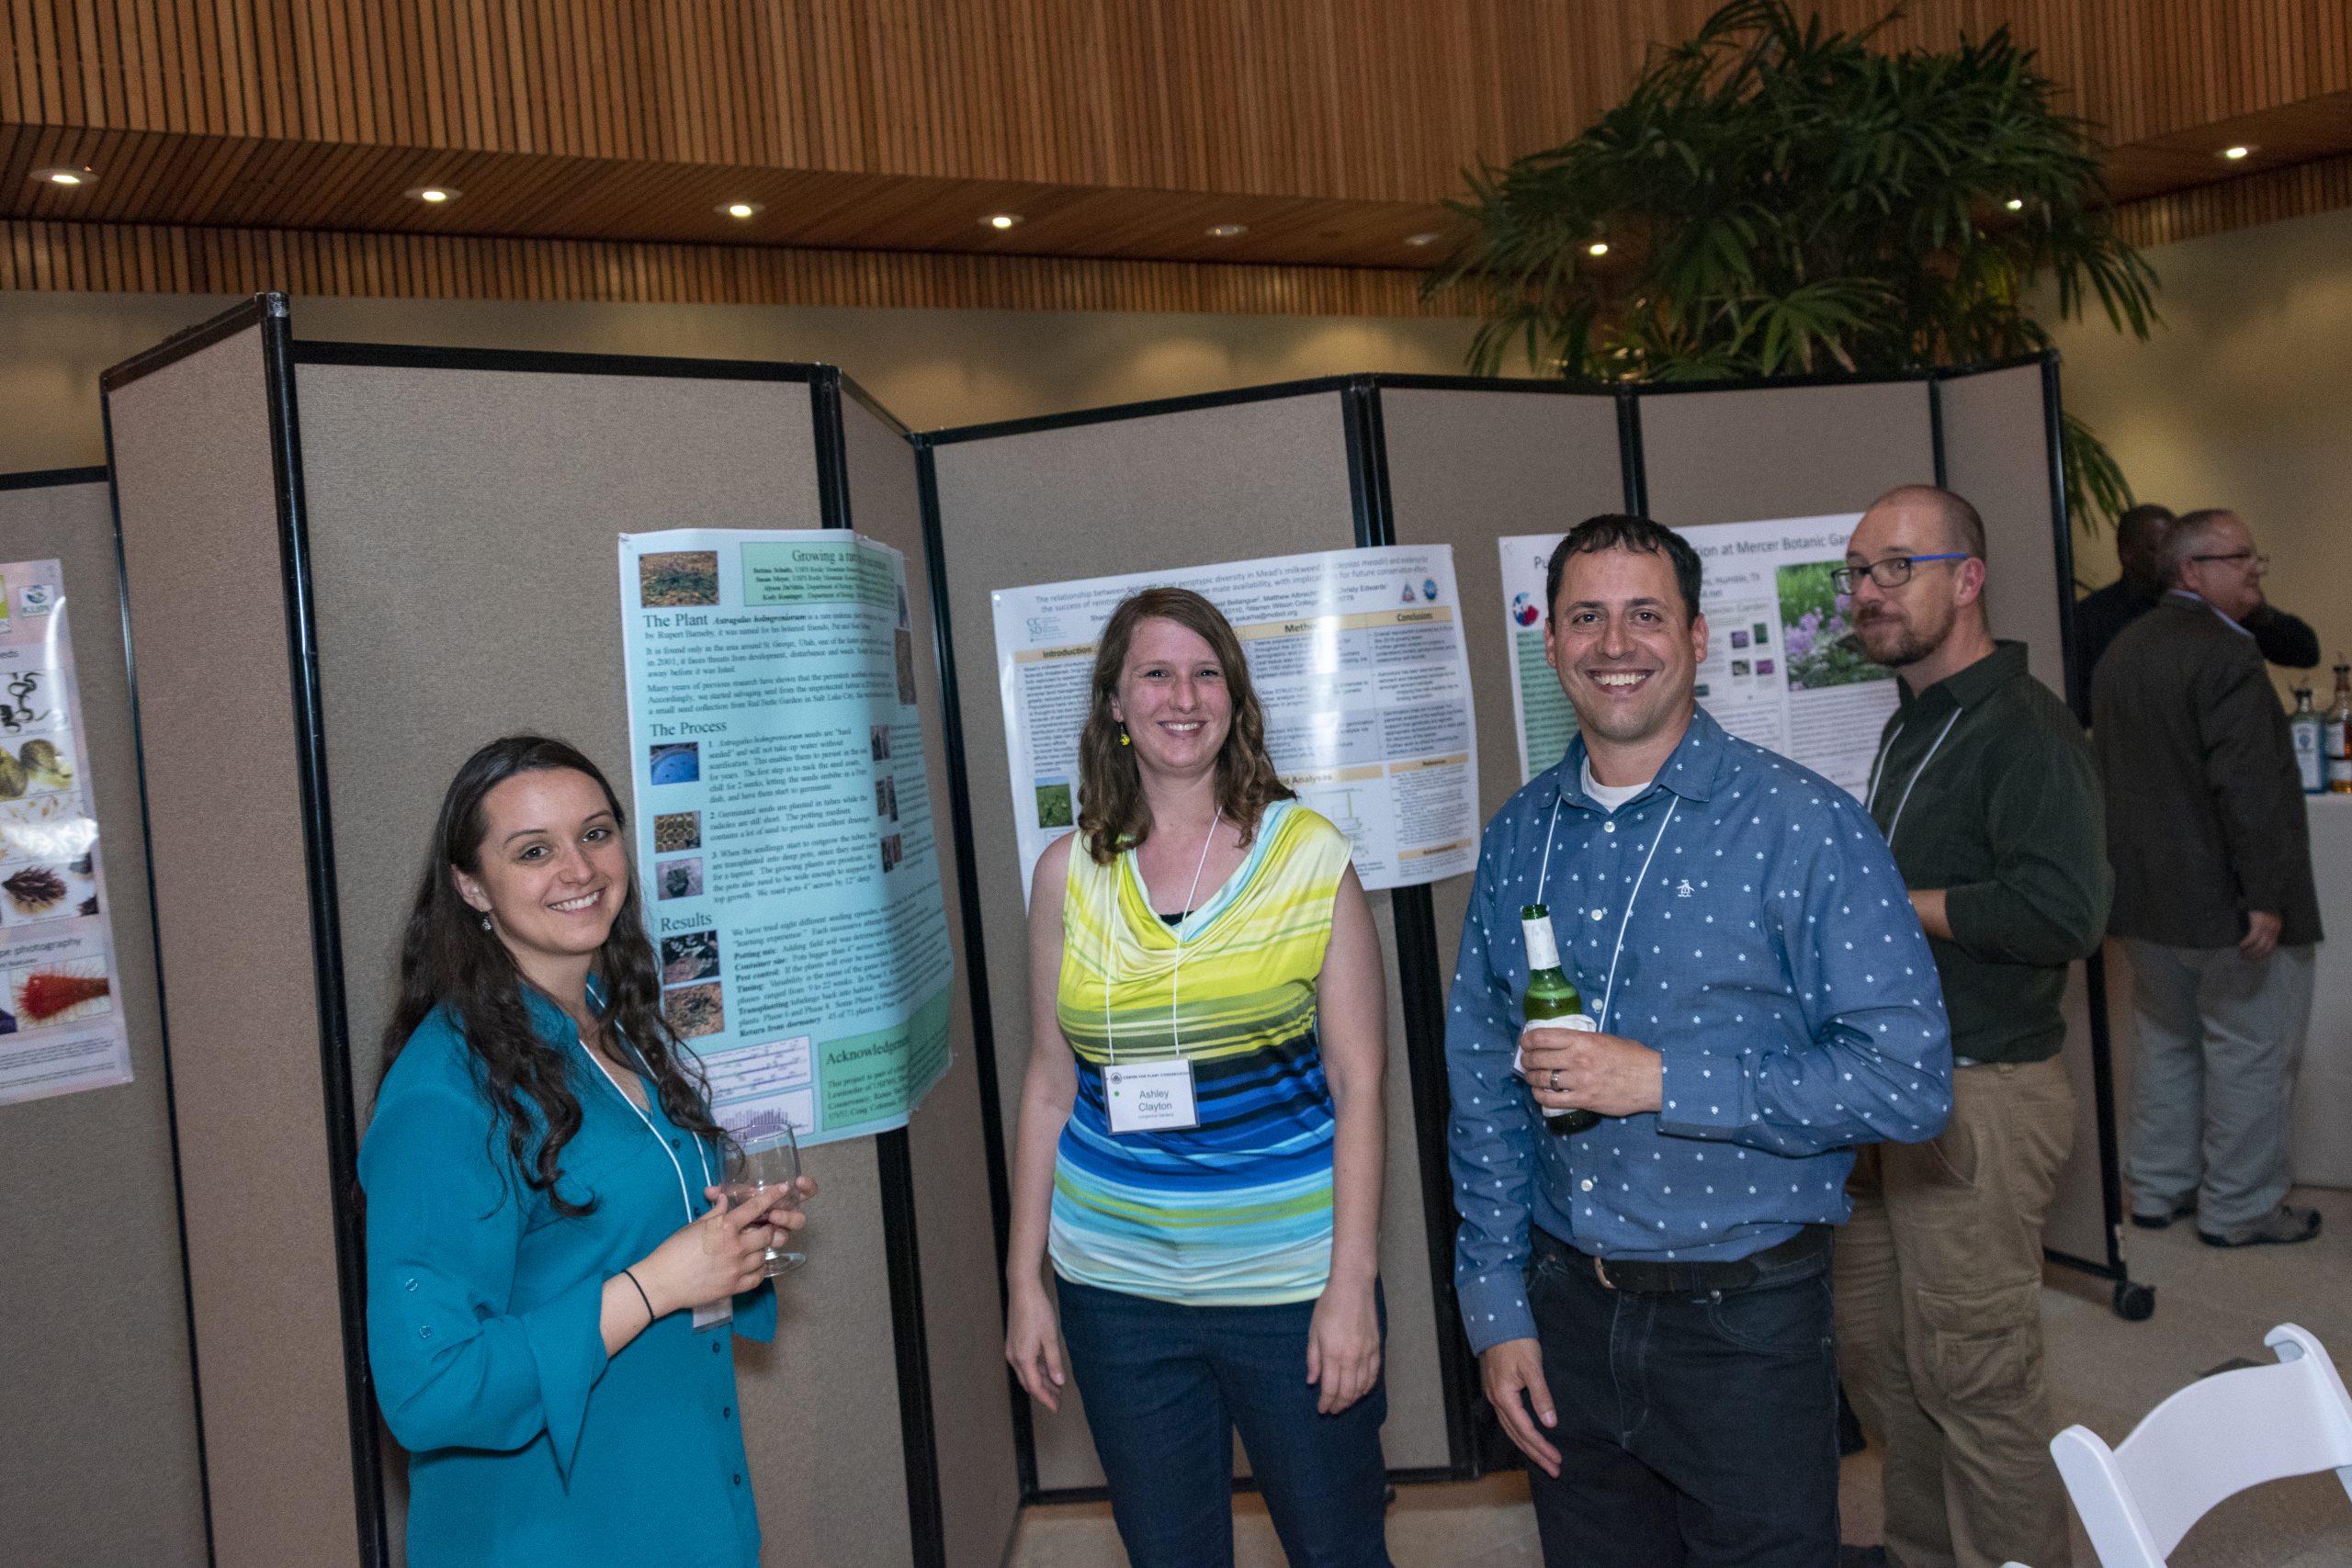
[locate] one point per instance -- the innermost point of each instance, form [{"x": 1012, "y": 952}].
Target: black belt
[{"x": 1643, "y": 1278}]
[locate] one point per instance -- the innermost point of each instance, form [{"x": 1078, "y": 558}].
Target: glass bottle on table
[
  {"x": 2338, "y": 733},
  {"x": 2310, "y": 735},
  {"x": 1552, "y": 999}
]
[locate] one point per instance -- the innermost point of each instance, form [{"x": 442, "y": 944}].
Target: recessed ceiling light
[
  {"x": 2015, "y": 204},
  {"x": 1430, "y": 239},
  {"x": 66, "y": 176},
  {"x": 1597, "y": 248},
  {"x": 1001, "y": 221},
  {"x": 433, "y": 195},
  {"x": 1228, "y": 230},
  {"x": 741, "y": 208},
  {"x": 2234, "y": 153}
]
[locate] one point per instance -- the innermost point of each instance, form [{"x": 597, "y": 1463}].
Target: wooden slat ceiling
[{"x": 1119, "y": 129}]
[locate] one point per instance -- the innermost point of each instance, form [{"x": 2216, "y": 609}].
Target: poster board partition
[
  {"x": 107, "y": 1464},
  {"x": 203, "y": 448},
  {"x": 1143, "y": 489}
]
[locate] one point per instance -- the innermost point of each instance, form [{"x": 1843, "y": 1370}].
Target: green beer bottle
[{"x": 1551, "y": 998}]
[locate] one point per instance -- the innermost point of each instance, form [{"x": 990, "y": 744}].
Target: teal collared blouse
[{"x": 527, "y": 1445}]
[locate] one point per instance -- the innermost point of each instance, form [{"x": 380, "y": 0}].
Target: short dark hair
[
  {"x": 1621, "y": 531},
  {"x": 2146, "y": 517},
  {"x": 1962, "y": 525}
]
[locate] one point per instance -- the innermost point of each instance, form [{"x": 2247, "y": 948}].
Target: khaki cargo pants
[{"x": 1937, "y": 1301}]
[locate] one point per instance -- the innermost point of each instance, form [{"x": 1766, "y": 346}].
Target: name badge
[
  {"x": 1151, "y": 1096},
  {"x": 717, "y": 1312}
]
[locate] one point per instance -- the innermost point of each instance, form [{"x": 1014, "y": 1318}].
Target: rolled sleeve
[
  {"x": 1490, "y": 1143},
  {"x": 454, "y": 1365}
]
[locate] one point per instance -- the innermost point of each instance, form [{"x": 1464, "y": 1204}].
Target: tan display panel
[
  {"x": 206, "y": 595},
  {"x": 1230, "y": 481},
  {"x": 102, "y": 1464},
  {"x": 1749, "y": 454},
  {"x": 463, "y": 529}
]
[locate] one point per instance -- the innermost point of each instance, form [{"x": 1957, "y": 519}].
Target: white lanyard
[
  {"x": 1869, "y": 802},
  {"x": 662, "y": 1143},
  {"x": 1609, "y": 990},
  {"x": 1175, "y": 994}
]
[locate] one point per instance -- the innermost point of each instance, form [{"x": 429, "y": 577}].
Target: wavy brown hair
[
  {"x": 448, "y": 960},
  {"x": 1112, "y": 813}
]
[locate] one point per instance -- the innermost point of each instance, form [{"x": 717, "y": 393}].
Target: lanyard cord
[
  {"x": 1609, "y": 990},
  {"x": 1544, "y": 876},
  {"x": 1914, "y": 783},
  {"x": 1175, "y": 984},
  {"x": 1870, "y": 800},
  {"x": 659, "y": 1140}
]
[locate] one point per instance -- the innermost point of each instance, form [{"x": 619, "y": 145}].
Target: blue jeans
[
  {"x": 1166, "y": 1386},
  {"x": 1693, "y": 1430}
]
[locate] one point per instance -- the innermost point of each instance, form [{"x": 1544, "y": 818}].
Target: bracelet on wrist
[{"x": 650, "y": 1315}]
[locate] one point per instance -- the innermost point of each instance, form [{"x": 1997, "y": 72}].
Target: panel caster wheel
[{"x": 2134, "y": 1302}]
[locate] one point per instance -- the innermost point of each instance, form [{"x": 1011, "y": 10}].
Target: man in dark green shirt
[{"x": 1989, "y": 798}]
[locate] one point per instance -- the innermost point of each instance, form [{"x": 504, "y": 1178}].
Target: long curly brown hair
[
  {"x": 1113, "y": 813},
  {"x": 448, "y": 959}
]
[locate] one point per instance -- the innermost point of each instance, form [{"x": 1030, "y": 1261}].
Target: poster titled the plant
[{"x": 1818, "y": 632}]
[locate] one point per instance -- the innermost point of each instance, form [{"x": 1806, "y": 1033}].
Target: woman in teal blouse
[{"x": 551, "y": 1290}]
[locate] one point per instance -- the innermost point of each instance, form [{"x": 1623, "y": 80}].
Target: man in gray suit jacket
[{"x": 2213, "y": 893}]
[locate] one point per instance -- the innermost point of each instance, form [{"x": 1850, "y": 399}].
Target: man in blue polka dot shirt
[{"x": 1649, "y": 1299}]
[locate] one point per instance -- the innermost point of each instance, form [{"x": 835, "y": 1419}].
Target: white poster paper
[
  {"x": 1358, "y": 660},
  {"x": 1782, "y": 667},
  {"x": 61, "y": 1020},
  {"x": 788, "y": 853}
]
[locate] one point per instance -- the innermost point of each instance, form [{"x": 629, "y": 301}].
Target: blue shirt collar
[
  {"x": 1692, "y": 771},
  {"x": 2227, "y": 620}
]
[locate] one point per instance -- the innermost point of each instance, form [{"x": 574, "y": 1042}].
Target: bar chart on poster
[
  {"x": 1783, "y": 668},
  {"x": 786, "y": 841},
  {"x": 1357, "y": 659}
]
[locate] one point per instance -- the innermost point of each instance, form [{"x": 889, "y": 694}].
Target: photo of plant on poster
[{"x": 1773, "y": 197}]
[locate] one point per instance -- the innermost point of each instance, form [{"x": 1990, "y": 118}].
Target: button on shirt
[{"x": 1771, "y": 957}]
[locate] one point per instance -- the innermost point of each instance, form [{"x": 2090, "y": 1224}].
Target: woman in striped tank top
[{"x": 1202, "y": 1125}]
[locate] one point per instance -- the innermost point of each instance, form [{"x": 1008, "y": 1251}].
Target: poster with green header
[{"x": 786, "y": 847}]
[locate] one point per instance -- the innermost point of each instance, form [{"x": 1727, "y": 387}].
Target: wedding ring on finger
[{"x": 1555, "y": 1080}]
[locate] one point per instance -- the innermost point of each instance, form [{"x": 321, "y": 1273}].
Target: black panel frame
[{"x": 893, "y": 1152}]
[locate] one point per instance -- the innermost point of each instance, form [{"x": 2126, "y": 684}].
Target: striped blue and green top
[{"x": 1236, "y": 1210}]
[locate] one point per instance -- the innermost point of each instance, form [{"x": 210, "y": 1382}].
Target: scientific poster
[
  {"x": 1783, "y": 668},
  {"x": 60, "y": 1025},
  {"x": 1358, "y": 660},
  {"x": 786, "y": 848}
]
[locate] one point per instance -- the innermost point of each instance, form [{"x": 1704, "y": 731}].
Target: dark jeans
[
  {"x": 1165, "y": 1387},
  {"x": 1693, "y": 1429}
]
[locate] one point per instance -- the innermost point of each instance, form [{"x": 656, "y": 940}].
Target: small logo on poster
[
  {"x": 1524, "y": 611},
  {"x": 38, "y": 599}
]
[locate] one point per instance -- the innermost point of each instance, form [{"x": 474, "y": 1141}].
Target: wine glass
[{"x": 757, "y": 1168}]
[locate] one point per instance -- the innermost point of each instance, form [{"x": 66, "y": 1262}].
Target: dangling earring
[
  {"x": 485, "y": 922},
  {"x": 1123, "y": 736}
]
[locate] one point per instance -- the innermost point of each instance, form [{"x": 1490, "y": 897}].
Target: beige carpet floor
[{"x": 2211, "y": 1305}]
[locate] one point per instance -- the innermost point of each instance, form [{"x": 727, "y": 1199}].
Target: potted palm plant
[{"x": 1773, "y": 199}]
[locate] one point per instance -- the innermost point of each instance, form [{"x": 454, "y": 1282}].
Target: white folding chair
[{"x": 2216, "y": 1437}]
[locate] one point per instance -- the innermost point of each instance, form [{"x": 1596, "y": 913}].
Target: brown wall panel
[
  {"x": 1160, "y": 493},
  {"x": 464, "y": 529},
  {"x": 102, "y": 1465},
  {"x": 1385, "y": 99},
  {"x": 152, "y": 258},
  {"x": 963, "y": 1317},
  {"x": 192, "y": 463},
  {"x": 1747, "y": 455}
]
